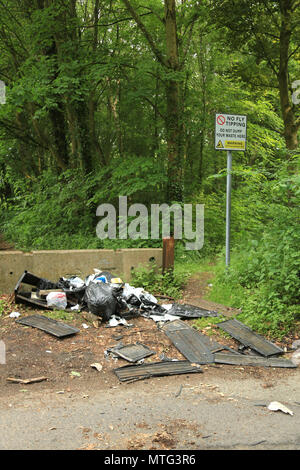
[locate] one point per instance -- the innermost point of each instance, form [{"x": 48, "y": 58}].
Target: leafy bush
[
  {"x": 59, "y": 211},
  {"x": 264, "y": 277},
  {"x": 153, "y": 281}
]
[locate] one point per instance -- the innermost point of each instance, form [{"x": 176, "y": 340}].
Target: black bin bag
[{"x": 100, "y": 299}]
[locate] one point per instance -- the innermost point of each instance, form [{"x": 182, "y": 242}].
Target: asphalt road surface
[{"x": 223, "y": 408}]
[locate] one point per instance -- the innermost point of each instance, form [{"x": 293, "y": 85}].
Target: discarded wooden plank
[
  {"x": 248, "y": 338},
  {"x": 189, "y": 342},
  {"x": 26, "y": 381},
  {"x": 243, "y": 360},
  {"x": 155, "y": 369},
  {"x": 191, "y": 311},
  {"x": 132, "y": 352},
  {"x": 48, "y": 325},
  {"x": 45, "y": 292}
]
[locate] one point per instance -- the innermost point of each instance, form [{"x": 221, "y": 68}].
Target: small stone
[
  {"x": 296, "y": 357},
  {"x": 296, "y": 344}
]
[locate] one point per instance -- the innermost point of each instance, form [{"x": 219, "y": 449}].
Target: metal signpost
[{"x": 230, "y": 135}]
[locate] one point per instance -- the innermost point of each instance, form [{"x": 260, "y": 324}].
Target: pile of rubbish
[
  {"x": 113, "y": 301},
  {"x": 101, "y": 294}
]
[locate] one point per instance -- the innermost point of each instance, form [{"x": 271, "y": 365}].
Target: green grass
[
  {"x": 60, "y": 315},
  {"x": 202, "y": 323},
  {"x": 2, "y": 307},
  {"x": 188, "y": 265}
]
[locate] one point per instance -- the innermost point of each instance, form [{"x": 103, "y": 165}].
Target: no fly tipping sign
[{"x": 230, "y": 132}]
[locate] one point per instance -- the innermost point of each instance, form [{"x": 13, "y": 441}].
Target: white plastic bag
[
  {"x": 129, "y": 290},
  {"x": 57, "y": 299},
  {"x": 76, "y": 282}
]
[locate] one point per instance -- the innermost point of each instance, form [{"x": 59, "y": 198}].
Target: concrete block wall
[{"x": 53, "y": 264}]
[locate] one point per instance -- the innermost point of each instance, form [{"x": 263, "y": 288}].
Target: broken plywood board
[
  {"x": 191, "y": 311},
  {"x": 48, "y": 325},
  {"x": 248, "y": 338},
  {"x": 241, "y": 360},
  {"x": 193, "y": 345},
  {"x": 155, "y": 369},
  {"x": 132, "y": 352}
]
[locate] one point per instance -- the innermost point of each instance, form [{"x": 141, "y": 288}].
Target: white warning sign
[{"x": 230, "y": 132}]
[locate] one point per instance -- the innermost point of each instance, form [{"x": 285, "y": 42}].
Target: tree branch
[{"x": 146, "y": 33}]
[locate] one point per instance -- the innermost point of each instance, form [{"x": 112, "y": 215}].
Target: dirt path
[
  {"x": 197, "y": 288},
  {"x": 216, "y": 409},
  {"x": 4, "y": 245}
]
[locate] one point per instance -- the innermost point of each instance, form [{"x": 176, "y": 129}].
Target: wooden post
[{"x": 168, "y": 254}]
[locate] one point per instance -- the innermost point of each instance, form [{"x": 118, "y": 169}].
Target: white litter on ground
[
  {"x": 276, "y": 406},
  {"x": 14, "y": 314},
  {"x": 166, "y": 317}
]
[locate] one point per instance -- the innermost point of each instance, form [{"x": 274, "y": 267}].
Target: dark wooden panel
[
  {"x": 246, "y": 336},
  {"x": 155, "y": 369},
  {"x": 242, "y": 360},
  {"x": 48, "y": 325},
  {"x": 191, "y": 311},
  {"x": 189, "y": 342},
  {"x": 132, "y": 352}
]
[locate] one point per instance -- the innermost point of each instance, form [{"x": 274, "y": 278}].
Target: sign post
[
  {"x": 228, "y": 206},
  {"x": 230, "y": 135}
]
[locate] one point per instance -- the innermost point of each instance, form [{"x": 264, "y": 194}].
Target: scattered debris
[
  {"x": 106, "y": 298},
  {"x": 40, "y": 288},
  {"x": 276, "y": 406},
  {"x": 248, "y": 338},
  {"x": 257, "y": 443},
  {"x": 48, "y": 325},
  {"x": 75, "y": 374},
  {"x": 165, "y": 358},
  {"x": 97, "y": 366},
  {"x": 244, "y": 360},
  {"x": 26, "y": 381},
  {"x": 132, "y": 352},
  {"x": 189, "y": 342},
  {"x": 179, "y": 391},
  {"x": 190, "y": 311},
  {"x": 102, "y": 294},
  {"x": 296, "y": 357},
  {"x": 296, "y": 344},
  {"x": 76, "y": 308},
  {"x": 57, "y": 300},
  {"x": 100, "y": 299},
  {"x": 14, "y": 315},
  {"x": 163, "y": 318},
  {"x": 155, "y": 369},
  {"x": 116, "y": 321}
]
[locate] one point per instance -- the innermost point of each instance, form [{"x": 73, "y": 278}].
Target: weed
[
  {"x": 151, "y": 279},
  {"x": 60, "y": 315}
]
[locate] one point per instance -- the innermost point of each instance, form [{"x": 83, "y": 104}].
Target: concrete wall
[{"x": 54, "y": 264}]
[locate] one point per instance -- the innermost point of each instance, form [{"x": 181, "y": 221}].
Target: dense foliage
[{"x": 264, "y": 278}]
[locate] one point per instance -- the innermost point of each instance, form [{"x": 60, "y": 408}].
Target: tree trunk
[
  {"x": 174, "y": 190},
  {"x": 288, "y": 113},
  {"x": 171, "y": 65}
]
